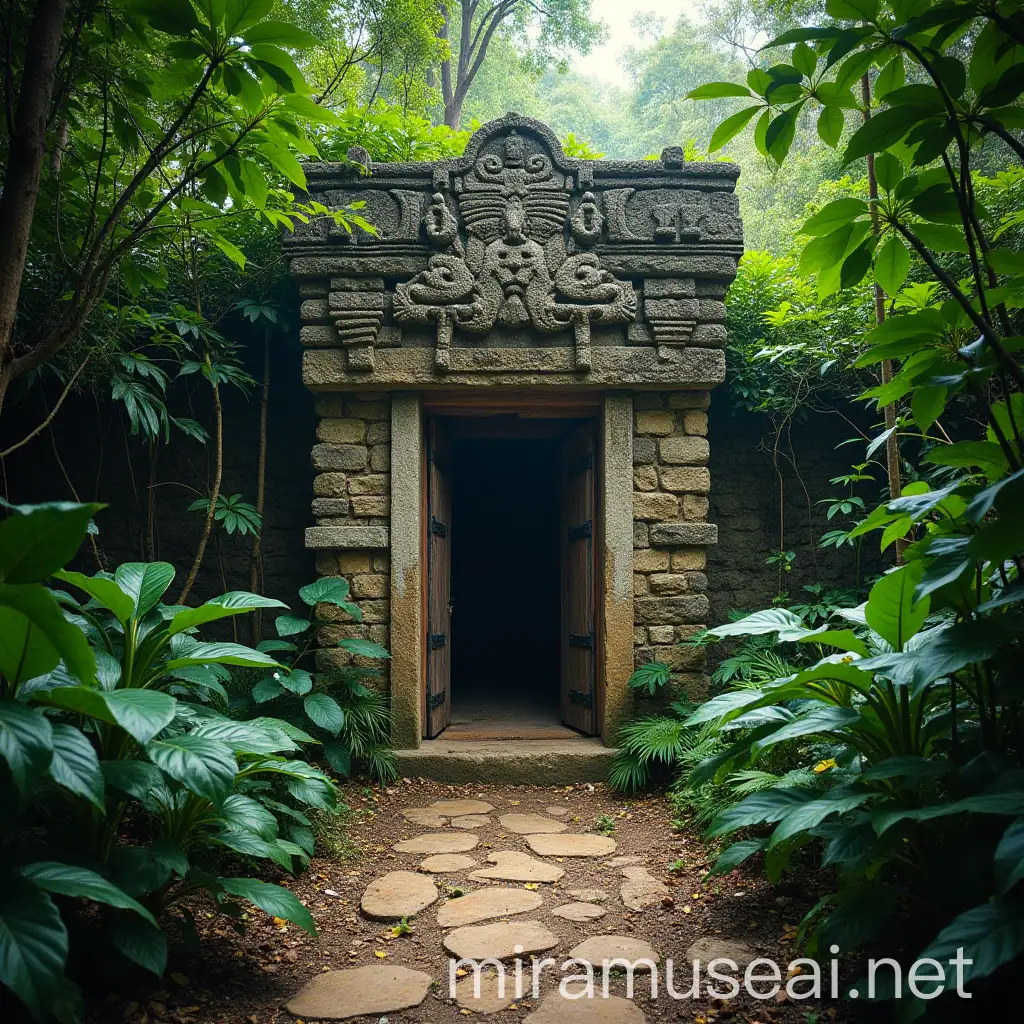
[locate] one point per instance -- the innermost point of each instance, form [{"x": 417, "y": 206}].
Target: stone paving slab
[
  {"x": 484, "y": 904},
  {"x": 641, "y": 889},
  {"x": 711, "y": 947},
  {"x": 470, "y": 821},
  {"x": 571, "y": 844},
  {"x": 556, "y": 812},
  {"x": 340, "y": 995},
  {"x": 599, "y": 948},
  {"x": 438, "y": 842},
  {"x": 514, "y": 866},
  {"x": 556, "y": 1009},
  {"x": 424, "y": 816},
  {"x": 489, "y": 1000},
  {"x": 530, "y": 824},
  {"x": 579, "y": 911},
  {"x": 455, "y": 808},
  {"x": 589, "y": 895},
  {"x": 446, "y": 863},
  {"x": 398, "y": 894},
  {"x": 500, "y": 941}
]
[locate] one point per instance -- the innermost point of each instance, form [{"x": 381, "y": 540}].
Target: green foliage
[
  {"x": 352, "y": 721},
  {"x": 232, "y": 513},
  {"x": 910, "y": 761},
  {"x": 109, "y": 735}
]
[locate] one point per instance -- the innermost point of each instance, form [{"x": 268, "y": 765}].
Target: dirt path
[{"x": 248, "y": 979}]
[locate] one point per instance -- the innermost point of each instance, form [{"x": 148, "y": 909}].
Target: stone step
[{"x": 514, "y": 762}]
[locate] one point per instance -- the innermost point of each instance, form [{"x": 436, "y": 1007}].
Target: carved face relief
[{"x": 515, "y": 266}]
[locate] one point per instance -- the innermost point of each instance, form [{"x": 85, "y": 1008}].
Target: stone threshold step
[{"x": 517, "y": 762}]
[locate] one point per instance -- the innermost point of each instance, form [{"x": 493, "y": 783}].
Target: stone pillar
[
  {"x": 407, "y": 571},
  {"x": 617, "y": 586}
]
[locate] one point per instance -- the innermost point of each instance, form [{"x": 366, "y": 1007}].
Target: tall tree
[
  {"x": 549, "y": 27},
  {"x": 151, "y": 112}
]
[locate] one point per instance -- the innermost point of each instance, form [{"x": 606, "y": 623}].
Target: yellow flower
[{"x": 824, "y": 766}]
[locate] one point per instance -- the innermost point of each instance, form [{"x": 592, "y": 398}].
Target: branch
[{"x": 53, "y": 412}]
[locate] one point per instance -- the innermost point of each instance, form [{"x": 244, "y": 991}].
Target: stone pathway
[{"x": 506, "y": 907}]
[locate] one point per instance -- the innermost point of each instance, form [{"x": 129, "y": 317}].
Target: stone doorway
[{"x": 511, "y": 635}]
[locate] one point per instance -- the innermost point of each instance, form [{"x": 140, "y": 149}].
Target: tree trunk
[
  {"x": 892, "y": 447},
  {"x": 214, "y": 494},
  {"x": 25, "y": 155},
  {"x": 255, "y": 619}
]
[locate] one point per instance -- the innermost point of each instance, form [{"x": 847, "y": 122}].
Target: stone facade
[
  {"x": 516, "y": 273},
  {"x": 671, "y": 483}
]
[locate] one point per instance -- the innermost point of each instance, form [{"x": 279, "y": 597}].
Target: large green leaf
[
  {"x": 141, "y": 713},
  {"x": 144, "y": 582},
  {"x": 735, "y": 855},
  {"x": 884, "y": 129},
  {"x": 817, "y": 721},
  {"x": 731, "y": 127},
  {"x": 244, "y": 812},
  {"x": 33, "y": 944},
  {"x": 325, "y": 712},
  {"x": 259, "y": 736},
  {"x": 205, "y": 766},
  {"x": 891, "y": 610},
  {"x": 986, "y": 937},
  {"x": 196, "y": 653},
  {"x": 892, "y": 265},
  {"x": 787, "y": 624},
  {"x": 299, "y": 681},
  {"x": 768, "y": 805},
  {"x": 326, "y": 590},
  {"x": 140, "y": 941},
  {"x": 814, "y": 812},
  {"x": 717, "y": 90},
  {"x": 34, "y": 636},
  {"x": 136, "y": 778},
  {"x": 240, "y": 15},
  {"x": 106, "y": 591},
  {"x": 282, "y": 34},
  {"x": 74, "y": 764},
  {"x": 26, "y": 742},
  {"x": 39, "y": 540},
  {"x": 233, "y": 603},
  {"x": 291, "y": 625},
  {"x": 273, "y": 899},
  {"x": 70, "y": 880},
  {"x": 1009, "y": 857}
]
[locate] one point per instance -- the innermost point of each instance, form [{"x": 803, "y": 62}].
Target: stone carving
[{"x": 514, "y": 267}]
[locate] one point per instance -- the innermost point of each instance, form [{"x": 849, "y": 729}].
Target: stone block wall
[
  {"x": 352, "y": 515},
  {"x": 671, "y": 483}
]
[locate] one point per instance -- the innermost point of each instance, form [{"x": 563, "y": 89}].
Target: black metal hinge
[
  {"x": 581, "y": 640},
  {"x": 438, "y": 528},
  {"x": 438, "y": 640},
  {"x": 582, "y": 531},
  {"x": 435, "y": 701},
  {"x": 581, "y": 697}
]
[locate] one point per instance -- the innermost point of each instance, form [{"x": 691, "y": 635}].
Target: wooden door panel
[
  {"x": 439, "y": 575},
  {"x": 579, "y": 655}
]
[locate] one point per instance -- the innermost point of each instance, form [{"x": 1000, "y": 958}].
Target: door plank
[
  {"x": 439, "y": 576},
  {"x": 579, "y": 654}
]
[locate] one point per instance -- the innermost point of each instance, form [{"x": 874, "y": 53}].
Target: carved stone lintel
[{"x": 443, "y": 351}]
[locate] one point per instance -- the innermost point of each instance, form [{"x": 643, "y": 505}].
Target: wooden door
[
  {"x": 439, "y": 580},
  {"x": 579, "y": 655}
]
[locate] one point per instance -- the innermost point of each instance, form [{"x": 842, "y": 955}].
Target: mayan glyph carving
[{"x": 518, "y": 260}]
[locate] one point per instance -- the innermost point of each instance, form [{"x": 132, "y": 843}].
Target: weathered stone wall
[
  {"x": 671, "y": 482},
  {"x": 352, "y": 514},
  {"x": 744, "y": 504}
]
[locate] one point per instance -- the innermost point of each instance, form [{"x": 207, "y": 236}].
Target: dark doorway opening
[{"x": 506, "y": 587}]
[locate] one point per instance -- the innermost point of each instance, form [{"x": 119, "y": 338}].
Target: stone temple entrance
[
  {"x": 581, "y": 300},
  {"x": 513, "y": 579}
]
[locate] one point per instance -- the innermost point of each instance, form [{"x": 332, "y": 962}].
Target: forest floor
[{"x": 248, "y": 979}]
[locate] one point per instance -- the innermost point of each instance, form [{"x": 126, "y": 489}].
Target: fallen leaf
[
  {"x": 687, "y": 910},
  {"x": 380, "y": 954},
  {"x": 178, "y": 978},
  {"x": 531, "y": 885}
]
